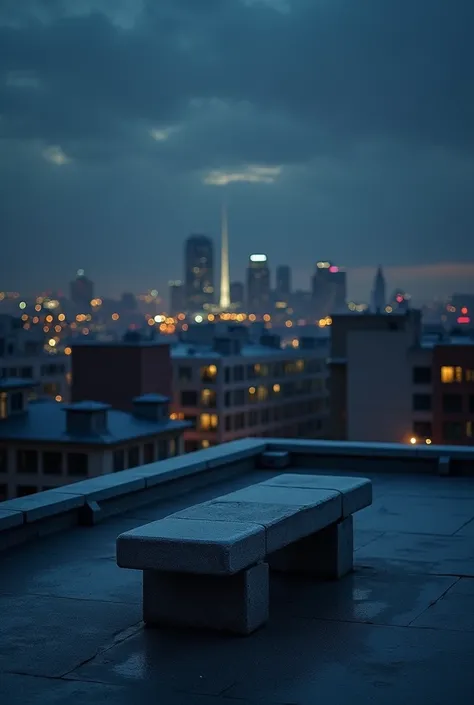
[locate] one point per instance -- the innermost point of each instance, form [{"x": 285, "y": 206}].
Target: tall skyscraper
[
  {"x": 224, "y": 300},
  {"x": 199, "y": 272},
  {"x": 258, "y": 284},
  {"x": 81, "y": 290},
  {"x": 328, "y": 287},
  {"x": 283, "y": 281},
  {"x": 378, "y": 292}
]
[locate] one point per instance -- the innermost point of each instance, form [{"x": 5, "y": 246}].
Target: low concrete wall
[{"x": 89, "y": 501}]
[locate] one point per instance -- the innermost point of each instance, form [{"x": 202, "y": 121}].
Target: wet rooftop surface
[{"x": 400, "y": 629}]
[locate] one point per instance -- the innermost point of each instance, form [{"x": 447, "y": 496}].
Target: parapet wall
[{"x": 89, "y": 501}]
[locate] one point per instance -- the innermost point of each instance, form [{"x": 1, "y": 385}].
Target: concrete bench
[{"x": 208, "y": 565}]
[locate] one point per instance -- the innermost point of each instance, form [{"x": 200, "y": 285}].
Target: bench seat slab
[
  {"x": 192, "y": 546},
  {"x": 235, "y": 603},
  {"x": 356, "y": 492},
  {"x": 287, "y": 514}
]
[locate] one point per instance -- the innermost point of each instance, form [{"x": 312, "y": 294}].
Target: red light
[
  {"x": 464, "y": 319},
  {"x": 464, "y": 310},
  {"x": 399, "y": 298},
  {"x": 333, "y": 269}
]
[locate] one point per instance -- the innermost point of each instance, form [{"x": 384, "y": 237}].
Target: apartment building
[
  {"x": 390, "y": 383},
  {"x": 22, "y": 356},
  {"x": 228, "y": 386},
  {"x": 44, "y": 444}
]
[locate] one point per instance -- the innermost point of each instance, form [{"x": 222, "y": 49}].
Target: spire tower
[{"x": 224, "y": 301}]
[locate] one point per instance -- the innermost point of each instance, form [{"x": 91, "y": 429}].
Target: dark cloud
[
  {"x": 367, "y": 105},
  {"x": 349, "y": 70}
]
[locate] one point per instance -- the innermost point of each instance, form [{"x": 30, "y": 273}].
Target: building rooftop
[
  {"x": 433, "y": 341},
  {"x": 250, "y": 350},
  {"x": 151, "y": 398},
  {"x": 399, "y": 629},
  {"x": 45, "y": 421},
  {"x": 9, "y": 384},
  {"x": 86, "y": 406}
]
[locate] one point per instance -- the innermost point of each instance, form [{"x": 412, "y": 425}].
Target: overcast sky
[{"x": 335, "y": 129}]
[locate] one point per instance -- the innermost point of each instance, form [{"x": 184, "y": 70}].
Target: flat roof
[
  {"x": 190, "y": 351},
  {"x": 399, "y": 629},
  {"x": 8, "y": 384},
  {"x": 45, "y": 421}
]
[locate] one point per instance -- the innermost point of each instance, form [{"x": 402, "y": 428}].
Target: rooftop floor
[{"x": 400, "y": 629}]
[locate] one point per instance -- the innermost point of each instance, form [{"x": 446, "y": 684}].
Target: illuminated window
[
  {"x": 208, "y": 422},
  {"x": 469, "y": 429},
  {"x": 209, "y": 373},
  {"x": 469, "y": 375},
  {"x": 300, "y": 365},
  {"x": 3, "y": 405},
  {"x": 451, "y": 374},
  {"x": 208, "y": 397},
  {"x": 262, "y": 393}
]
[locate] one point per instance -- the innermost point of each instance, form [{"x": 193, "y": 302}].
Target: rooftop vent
[
  {"x": 151, "y": 407},
  {"x": 86, "y": 418}
]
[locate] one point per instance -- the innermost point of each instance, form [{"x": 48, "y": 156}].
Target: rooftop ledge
[{"x": 88, "y": 501}]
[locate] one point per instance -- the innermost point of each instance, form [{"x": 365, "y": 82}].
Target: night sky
[{"x": 344, "y": 130}]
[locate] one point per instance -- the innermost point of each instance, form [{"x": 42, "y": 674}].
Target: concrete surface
[{"x": 397, "y": 630}]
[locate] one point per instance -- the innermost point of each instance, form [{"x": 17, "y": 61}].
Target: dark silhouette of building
[
  {"x": 128, "y": 302},
  {"x": 116, "y": 373},
  {"x": 283, "y": 281},
  {"x": 328, "y": 289},
  {"x": 378, "y": 292},
  {"x": 81, "y": 290},
  {"x": 258, "y": 284},
  {"x": 237, "y": 293},
  {"x": 177, "y": 302},
  {"x": 199, "y": 272}
]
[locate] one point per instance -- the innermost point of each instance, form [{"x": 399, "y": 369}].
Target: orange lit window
[
  {"x": 262, "y": 393},
  {"x": 209, "y": 373},
  {"x": 3, "y": 405},
  {"x": 451, "y": 374},
  {"x": 209, "y": 421},
  {"x": 469, "y": 375},
  {"x": 208, "y": 397}
]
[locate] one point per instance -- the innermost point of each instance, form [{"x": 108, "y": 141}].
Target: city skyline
[
  {"x": 110, "y": 164},
  {"x": 422, "y": 283}
]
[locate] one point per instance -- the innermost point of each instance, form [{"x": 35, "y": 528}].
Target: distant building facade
[
  {"x": 116, "y": 372},
  {"x": 229, "y": 387},
  {"x": 258, "y": 284},
  {"x": 283, "y": 282},
  {"x": 177, "y": 302},
  {"x": 390, "y": 383},
  {"x": 81, "y": 291},
  {"x": 237, "y": 294},
  {"x": 199, "y": 272},
  {"x": 379, "y": 297},
  {"x": 328, "y": 289}
]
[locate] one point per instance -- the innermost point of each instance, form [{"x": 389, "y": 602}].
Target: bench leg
[
  {"x": 236, "y": 603},
  {"x": 327, "y": 554}
]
